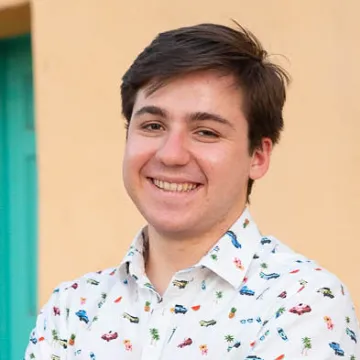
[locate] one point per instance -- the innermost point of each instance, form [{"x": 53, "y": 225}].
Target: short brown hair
[{"x": 215, "y": 47}]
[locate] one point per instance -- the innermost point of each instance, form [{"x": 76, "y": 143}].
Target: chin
[{"x": 170, "y": 228}]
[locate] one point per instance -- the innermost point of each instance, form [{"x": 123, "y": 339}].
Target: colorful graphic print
[{"x": 250, "y": 297}]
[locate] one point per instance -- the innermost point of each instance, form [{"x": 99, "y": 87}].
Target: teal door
[{"x": 18, "y": 199}]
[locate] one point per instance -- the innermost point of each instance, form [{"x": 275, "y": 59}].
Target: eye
[
  {"x": 152, "y": 126},
  {"x": 207, "y": 133}
]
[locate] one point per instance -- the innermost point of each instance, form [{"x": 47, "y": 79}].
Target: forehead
[{"x": 197, "y": 91}]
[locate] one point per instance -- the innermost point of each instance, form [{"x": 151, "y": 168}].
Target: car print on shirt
[
  {"x": 246, "y": 291},
  {"x": 337, "y": 349},
  {"x": 33, "y": 338},
  {"x": 300, "y": 309},
  {"x": 132, "y": 319},
  {"x": 93, "y": 282},
  {"x": 110, "y": 336},
  {"x": 236, "y": 345},
  {"x": 82, "y": 315},
  {"x": 269, "y": 276},
  {"x": 234, "y": 239},
  {"x": 283, "y": 295},
  {"x": 179, "y": 309},
  {"x": 352, "y": 335},
  {"x": 265, "y": 240},
  {"x": 282, "y": 334},
  {"x": 181, "y": 284},
  {"x": 63, "y": 343},
  {"x": 253, "y": 357},
  {"x": 186, "y": 342},
  {"x": 56, "y": 311},
  {"x": 207, "y": 323},
  {"x": 326, "y": 292}
]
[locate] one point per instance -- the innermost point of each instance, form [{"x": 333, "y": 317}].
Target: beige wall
[{"x": 310, "y": 199}]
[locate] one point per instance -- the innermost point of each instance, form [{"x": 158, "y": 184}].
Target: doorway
[{"x": 18, "y": 198}]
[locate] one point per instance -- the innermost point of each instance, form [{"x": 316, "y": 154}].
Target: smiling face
[{"x": 187, "y": 164}]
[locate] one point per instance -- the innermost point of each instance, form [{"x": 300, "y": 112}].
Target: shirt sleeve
[
  {"x": 317, "y": 323},
  {"x": 48, "y": 340}
]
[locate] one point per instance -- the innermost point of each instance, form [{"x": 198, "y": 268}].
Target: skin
[{"x": 192, "y": 130}]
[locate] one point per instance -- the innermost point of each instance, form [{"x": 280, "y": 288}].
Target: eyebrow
[
  {"x": 202, "y": 116},
  {"x": 197, "y": 116},
  {"x": 152, "y": 110}
]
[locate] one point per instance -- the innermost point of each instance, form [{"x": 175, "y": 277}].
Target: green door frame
[{"x": 18, "y": 198}]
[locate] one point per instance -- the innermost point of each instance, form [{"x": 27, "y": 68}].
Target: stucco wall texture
[{"x": 310, "y": 199}]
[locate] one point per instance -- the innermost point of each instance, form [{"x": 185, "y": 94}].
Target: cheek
[
  {"x": 227, "y": 166},
  {"x": 137, "y": 153}
]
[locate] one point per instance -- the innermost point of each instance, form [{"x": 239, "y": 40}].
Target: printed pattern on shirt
[{"x": 250, "y": 297}]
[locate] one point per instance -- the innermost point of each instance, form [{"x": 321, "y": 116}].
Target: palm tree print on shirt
[
  {"x": 103, "y": 299},
  {"x": 231, "y": 344},
  {"x": 279, "y": 312},
  {"x": 306, "y": 345},
  {"x": 154, "y": 335},
  {"x": 219, "y": 296},
  {"x": 229, "y": 339}
]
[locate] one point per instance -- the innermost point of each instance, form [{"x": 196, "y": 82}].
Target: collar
[
  {"x": 230, "y": 258},
  {"x": 232, "y": 255},
  {"x": 133, "y": 262}
]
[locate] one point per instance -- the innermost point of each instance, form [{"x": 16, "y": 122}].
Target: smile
[{"x": 174, "y": 187}]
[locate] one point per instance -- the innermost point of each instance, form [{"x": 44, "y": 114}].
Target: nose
[{"x": 174, "y": 150}]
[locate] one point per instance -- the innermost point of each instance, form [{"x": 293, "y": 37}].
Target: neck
[{"x": 166, "y": 255}]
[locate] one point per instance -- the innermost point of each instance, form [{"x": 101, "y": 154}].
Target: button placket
[{"x": 157, "y": 330}]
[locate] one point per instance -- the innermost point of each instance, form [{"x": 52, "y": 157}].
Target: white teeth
[{"x": 174, "y": 186}]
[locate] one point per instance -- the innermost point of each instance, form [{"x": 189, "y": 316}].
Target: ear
[{"x": 261, "y": 159}]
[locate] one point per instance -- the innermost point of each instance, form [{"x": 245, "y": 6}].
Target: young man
[{"x": 203, "y": 107}]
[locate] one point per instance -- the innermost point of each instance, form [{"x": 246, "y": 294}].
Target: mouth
[{"x": 174, "y": 187}]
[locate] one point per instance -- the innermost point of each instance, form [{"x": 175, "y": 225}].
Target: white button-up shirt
[{"x": 250, "y": 297}]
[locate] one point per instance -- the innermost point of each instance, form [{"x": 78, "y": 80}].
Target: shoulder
[
  {"x": 83, "y": 292},
  {"x": 301, "y": 280},
  {"x": 291, "y": 265},
  {"x": 307, "y": 304},
  {"x": 291, "y": 275}
]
